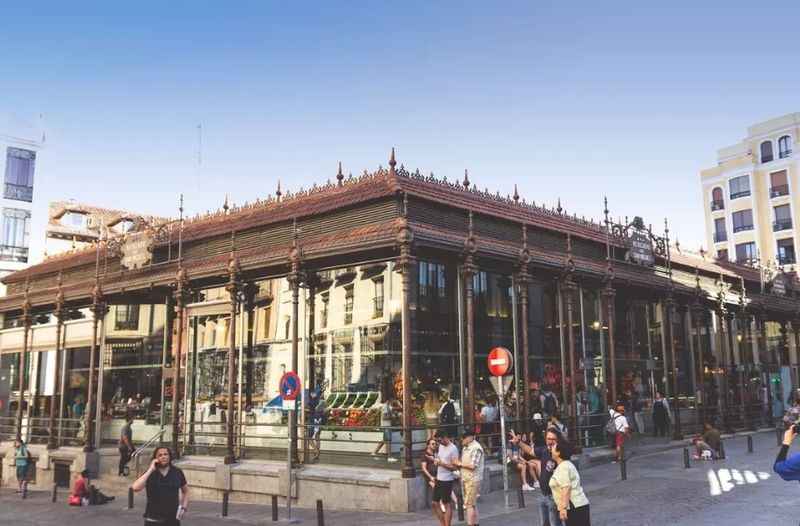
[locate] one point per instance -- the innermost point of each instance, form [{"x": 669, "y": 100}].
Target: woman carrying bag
[{"x": 571, "y": 501}]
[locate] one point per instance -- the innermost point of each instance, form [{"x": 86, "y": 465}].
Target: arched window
[
  {"x": 784, "y": 147},
  {"x": 766, "y": 151},
  {"x": 717, "y": 203}
]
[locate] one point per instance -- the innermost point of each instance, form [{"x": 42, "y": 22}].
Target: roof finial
[
  {"x": 339, "y": 174},
  {"x": 392, "y": 163},
  {"x": 516, "y": 194},
  {"x": 225, "y": 207},
  {"x": 558, "y": 208},
  {"x": 278, "y": 192},
  {"x": 466, "y": 179}
]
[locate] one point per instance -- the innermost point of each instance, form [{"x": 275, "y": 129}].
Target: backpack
[
  {"x": 448, "y": 415},
  {"x": 611, "y": 425},
  {"x": 549, "y": 403}
]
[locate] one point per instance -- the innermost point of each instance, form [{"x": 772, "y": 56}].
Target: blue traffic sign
[{"x": 290, "y": 386}]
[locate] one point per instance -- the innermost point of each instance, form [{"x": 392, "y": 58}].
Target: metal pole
[
  {"x": 502, "y": 404},
  {"x": 320, "y": 513},
  {"x": 98, "y": 413},
  {"x": 240, "y": 372},
  {"x": 274, "y": 508},
  {"x": 62, "y": 383},
  {"x": 686, "y": 458},
  {"x": 289, "y": 472},
  {"x": 23, "y": 369},
  {"x": 749, "y": 443}
]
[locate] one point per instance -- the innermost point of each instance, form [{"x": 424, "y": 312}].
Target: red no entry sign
[{"x": 499, "y": 361}]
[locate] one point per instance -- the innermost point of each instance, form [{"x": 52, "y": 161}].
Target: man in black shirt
[
  {"x": 167, "y": 490},
  {"x": 544, "y": 465}
]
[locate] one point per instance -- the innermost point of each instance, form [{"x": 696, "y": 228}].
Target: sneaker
[
  {"x": 535, "y": 484},
  {"x": 527, "y": 487}
]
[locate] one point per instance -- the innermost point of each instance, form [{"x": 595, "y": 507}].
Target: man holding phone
[
  {"x": 543, "y": 467},
  {"x": 788, "y": 468}
]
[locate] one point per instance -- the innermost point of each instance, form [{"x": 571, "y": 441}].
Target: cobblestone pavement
[{"x": 741, "y": 490}]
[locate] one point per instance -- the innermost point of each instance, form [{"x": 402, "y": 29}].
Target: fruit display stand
[{"x": 354, "y": 425}]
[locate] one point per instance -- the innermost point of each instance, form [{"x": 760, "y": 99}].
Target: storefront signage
[
  {"x": 137, "y": 250},
  {"x": 499, "y": 361},
  {"x": 641, "y": 251},
  {"x": 779, "y": 285}
]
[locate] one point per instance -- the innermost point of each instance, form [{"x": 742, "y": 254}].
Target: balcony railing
[
  {"x": 737, "y": 195},
  {"x": 779, "y": 190},
  {"x": 785, "y": 153},
  {"x": 18, "y": 192},
  {"x": 782, "y": 224},
  {"x": 742, "y": 228},
  {"x": 377, "y": 310},
  {"x": 717, "y": 205},
  {"x": 749, "y": 262},
  {"x": 11, "y": 253},
  {"x": 719, "y": 237},
  {"x": 787, "y": 259}
]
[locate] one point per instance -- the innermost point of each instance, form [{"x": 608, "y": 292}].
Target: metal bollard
[
  {"x": 225, "y": 496},
  {"x": 686, "y": 458},
  {"x": 274, "y": 508},
  {"x": 320, "y": 513},
  {"x": 521, "y": 498},
  {"x": 55, "y": 492},
  {"x": 623, "y": 469},
  {"x": 749, "y": 443},
  {"x": 722, "y": 450},
  {"x": 779, "y": 435},
  {"x": 460, "y": 506},
  {"x": 130, "y": 498}
]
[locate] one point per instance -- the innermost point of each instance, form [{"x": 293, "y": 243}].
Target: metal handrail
[{"x": 156, "y": 436}]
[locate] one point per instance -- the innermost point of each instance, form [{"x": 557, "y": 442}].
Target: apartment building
[
  {"x": 19, "y": 147},
  {"x": 750, "y": 198}
]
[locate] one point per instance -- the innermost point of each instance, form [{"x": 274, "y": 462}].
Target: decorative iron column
[
  {"x": 568, "y": 286},
  {"x": 23, "y": 355},
  {"x": 99, "y": 310},
  {"x": 669, "y": 304},
  {"x": 406, "y": 265},
  {"x": 233, "y": 287},
  {"x": 181, "y": 292},
  {"x": 761, "y": 327},
  {"x": 60, "y": 314},
  {"x": 295, "y": 278},
  {"x": 698, "y": 314},
  {"x": 468, "y": 270},
  {"x": 523, "y": 279},
  {"x": 724, "y": 345},
  {"x": 608, "y": 294}
]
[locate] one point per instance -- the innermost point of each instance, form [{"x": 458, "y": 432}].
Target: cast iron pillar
[
  {"x": 295, "y": 278},
  {"x": 468, "y": 270},
  {"x": 669, "y": 303},
  {"x": 568, "y": 287},
  {"x": 523, "y": 279},
  {"x": 406, "y": 265},
  {"x": 609, "y": 296},
  {"x": 26, "y": 323},
  {"x": 180, "y": 296},
  {"x": 233, "y": 287},
  {"x": 60, "y": 314},
  {"x": 99, "y": 310}
]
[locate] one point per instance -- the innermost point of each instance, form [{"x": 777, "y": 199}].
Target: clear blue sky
[{"x": 564, "y": 99}]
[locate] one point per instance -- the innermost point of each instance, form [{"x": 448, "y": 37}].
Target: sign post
[
  {"x": 290, "y": 389},
  {"x": 500, "y": 363}
]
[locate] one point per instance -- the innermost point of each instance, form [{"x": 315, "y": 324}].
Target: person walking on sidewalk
[
  {"x": 22, "y": 461},
  {"x": 544, "y": 465},
  {"x": 125, "y": 445},
  {"x": 167, "y": 490},
  {"x": 471, "y": 465},
  {"x": 661, "y": 415},
  {"x": 573, "y": 506},
  {"x": 619, "y": 424},
  {"x": 446, "y": 462}
]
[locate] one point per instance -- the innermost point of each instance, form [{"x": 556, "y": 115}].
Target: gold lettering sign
[{"x": 137, "y": 250}]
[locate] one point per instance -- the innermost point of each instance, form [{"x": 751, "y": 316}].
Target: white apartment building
[{"x": 19, "y": 148}]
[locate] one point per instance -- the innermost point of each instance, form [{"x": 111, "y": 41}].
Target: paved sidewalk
[{"x": 659, "y": 490}]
